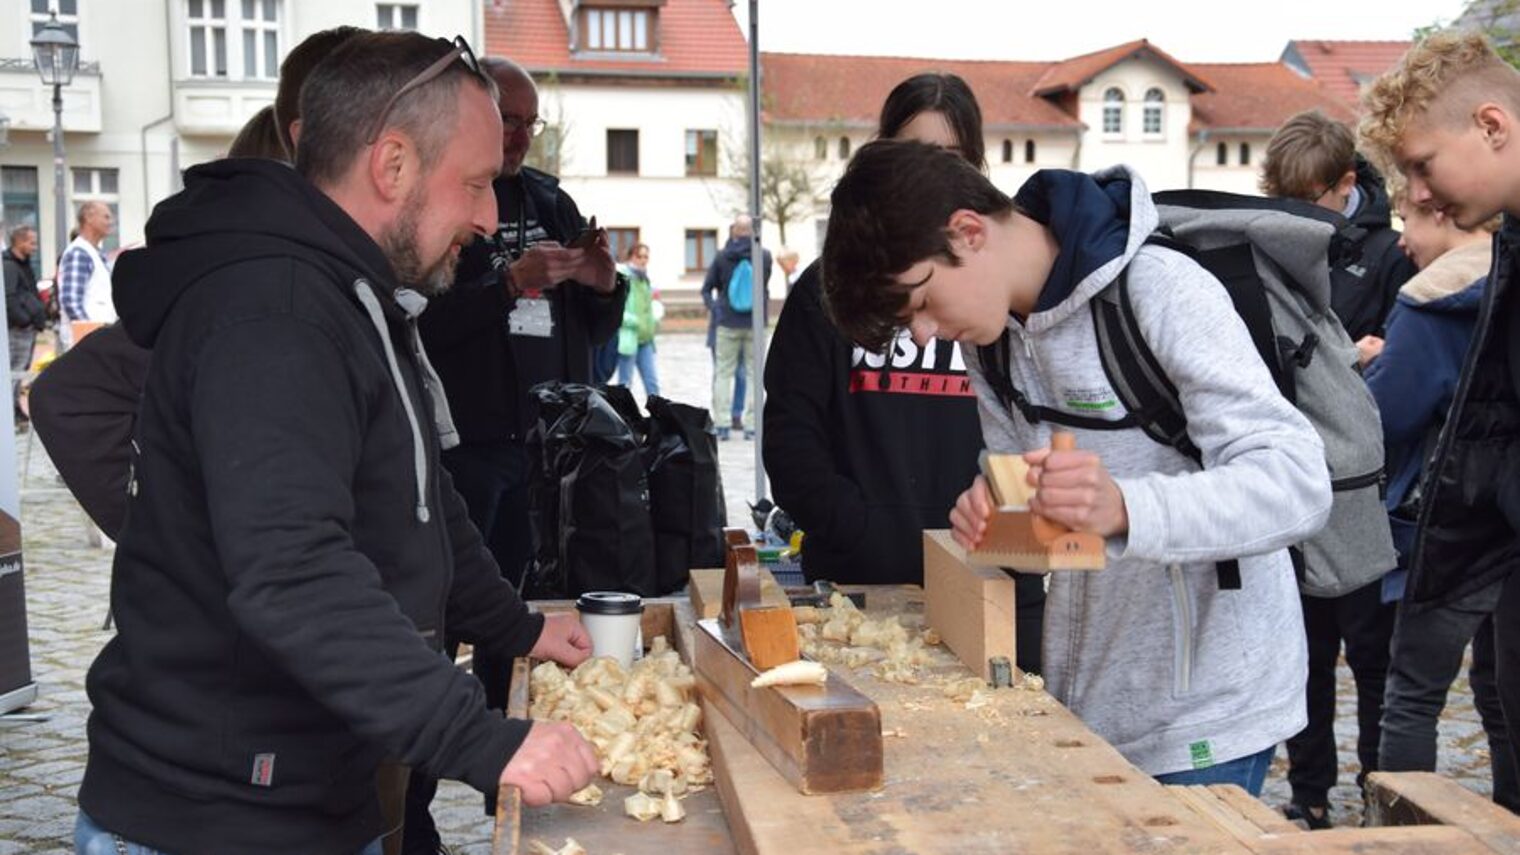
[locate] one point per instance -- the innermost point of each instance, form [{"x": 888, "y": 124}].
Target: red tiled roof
[
  {"x": 1072, "y": 74},
  {"x": 1343, "y": 66},
  {"x": 1259, "y": 95},
  {"x": 696, "y": 37},
  {"x": 851, "y": 89}
]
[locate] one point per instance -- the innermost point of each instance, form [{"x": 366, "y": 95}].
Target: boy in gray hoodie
[{"x": 1190, "y": 682}]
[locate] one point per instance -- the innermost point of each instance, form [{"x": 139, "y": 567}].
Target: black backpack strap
[{"x": 1143, "y": 385}]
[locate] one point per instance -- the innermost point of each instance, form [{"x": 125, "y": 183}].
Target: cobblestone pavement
[{"x": 67, "y": 581}]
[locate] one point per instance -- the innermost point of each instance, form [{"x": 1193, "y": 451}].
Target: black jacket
[
  {"x": 1470, "y": 516},
  {"x": 83, "y": 408},
  {"x": 864, "y": 454},
  {"x": 487, "y": 372},
  {"x": 283, "y": 579},
  {"x": 1364, "y": 285},
  {"x": 23, "y": 305},
  {"x": 715, "y": 284}
]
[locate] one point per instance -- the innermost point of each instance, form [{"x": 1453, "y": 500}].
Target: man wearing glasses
[{"x": 293, "y": 553}]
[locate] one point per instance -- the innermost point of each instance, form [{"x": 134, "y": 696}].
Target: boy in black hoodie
[{"x": 293, "y": 553}]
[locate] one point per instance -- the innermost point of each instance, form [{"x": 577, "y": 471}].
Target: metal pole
[
  {"x": 757, "y": 254},
  {"x": 61, "y": 215}
]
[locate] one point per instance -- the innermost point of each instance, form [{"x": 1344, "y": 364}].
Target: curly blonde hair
[{"x": 1445, "y": 76}]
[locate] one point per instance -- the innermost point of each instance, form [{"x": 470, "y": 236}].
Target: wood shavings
[
  {"x": 641, "y": 721},
  {"x": 964, "y": 689},
  {"x": 894, "y": 733},
  {"x": 929, "y": 636},
  {"x": 796, "y": 673},
  {"x": 591, "y": 796},
  {"x": 807, "y": 615},
  {"x": 671, "y": 810},
  {"x": 642, "y": 806},
  {"x": 1031, "y": 683}
]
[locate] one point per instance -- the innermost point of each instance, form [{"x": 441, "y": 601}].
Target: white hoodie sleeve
[{"x": 1264, "y": 484}]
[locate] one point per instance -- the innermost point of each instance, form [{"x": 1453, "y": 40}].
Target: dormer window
[{"x": 616, "y": 29}]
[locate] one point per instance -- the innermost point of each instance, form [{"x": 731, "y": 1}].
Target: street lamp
[{"x": 55, "y": 54}]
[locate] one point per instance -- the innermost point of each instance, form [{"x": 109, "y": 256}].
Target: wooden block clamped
[
  {"x": 1018, "y": 538},
  {"x": 767, "y": 635}
]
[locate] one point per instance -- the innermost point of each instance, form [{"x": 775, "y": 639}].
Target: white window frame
[
  {"x": 609, "y": 29},
  {"x": 235, "y": 28},
  {"x": 209, "y": 25},
  {"x": 36, "y": 19},
  {"x": 396, "y": 13},
  {"x": 95, "y": 194},
  {"x": 1154, "y": 113},
  {"x": 1113, "y": 108}
]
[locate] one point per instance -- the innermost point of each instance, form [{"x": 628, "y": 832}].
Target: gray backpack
[{"x": 1273, "y": 257}]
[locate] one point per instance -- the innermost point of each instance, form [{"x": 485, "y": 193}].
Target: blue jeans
[
  {"x": 91, "y": 839},
  {"x": 644, "y": 358},
  {"x": 1250, "y": 772}
]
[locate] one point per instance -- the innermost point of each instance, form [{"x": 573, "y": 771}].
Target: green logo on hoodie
[{"x": 1203, "y": 756}]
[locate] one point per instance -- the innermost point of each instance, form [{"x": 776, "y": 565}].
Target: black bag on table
[
  {"x": 588, "y": 498},
  {"x": 685, "y": 491}
]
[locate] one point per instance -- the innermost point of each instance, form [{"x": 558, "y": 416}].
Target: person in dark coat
[
  {"x": 25, "y": 313},
  {"x": 866, "y": 450},
  {"x": 1413, "y": 374},
  {"x": 293, "y": 553}
]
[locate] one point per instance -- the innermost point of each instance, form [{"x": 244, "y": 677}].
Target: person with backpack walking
[
  {"x": 1413, "y": 374},
  {"x": 641, "y": 320},
  {"x": 1190, "y": 680},
  {"x": 731, "y": 291},
  {"x": 1446, "y": 117}
]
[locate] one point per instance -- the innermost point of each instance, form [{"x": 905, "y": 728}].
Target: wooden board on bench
[
  {"x": 1425, "y": 798},
  {"x": 706, "y": 589},
  {"x": 969, "y": 605}
]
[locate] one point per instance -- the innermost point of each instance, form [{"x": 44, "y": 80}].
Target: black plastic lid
[{"x": 610, "y": 603}]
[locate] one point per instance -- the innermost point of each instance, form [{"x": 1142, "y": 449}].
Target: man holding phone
[{"x": 528, "y": 306}]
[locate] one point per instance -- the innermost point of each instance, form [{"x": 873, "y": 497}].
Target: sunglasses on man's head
[{"x": 459, "y": 49}]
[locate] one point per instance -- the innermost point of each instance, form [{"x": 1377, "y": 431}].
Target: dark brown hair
[
  {"x": 943, "y": 93},
  {"x": 293, "y": 72},
  {"x": 259, "y": 137},
  {"x": 889, "y": 212}
]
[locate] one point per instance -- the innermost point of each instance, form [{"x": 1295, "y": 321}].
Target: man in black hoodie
[
  {"x": 24, "y": 312},
  {"x": 293, "y": 553}
]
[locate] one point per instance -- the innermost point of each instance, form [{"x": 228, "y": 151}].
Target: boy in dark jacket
[
  {"x": 293, "y": 553},
  {"x": 1313, "y": 157},
  {"x": 1447, "y": 117},
  {"x": 1413, "y": 375}
]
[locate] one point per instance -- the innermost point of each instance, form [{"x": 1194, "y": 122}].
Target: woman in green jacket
[{"x": 641, "y": 318}]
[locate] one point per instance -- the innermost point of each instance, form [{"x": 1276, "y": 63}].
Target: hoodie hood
[
  {"x": 234, "y": 210},
  {"x": 737, "y": 248},
  {"x": 1452, "y": 283},
  {"x": 1375, "y": 211},
  {"x": 1100, "y": 220}
]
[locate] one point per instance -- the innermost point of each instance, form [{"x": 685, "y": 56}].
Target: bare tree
[
  {"x": 1499, "y": 19},
  {"x": 549, "y": 151}
]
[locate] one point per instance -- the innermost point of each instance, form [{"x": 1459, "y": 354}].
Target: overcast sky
[{"x": 1191, "y": 30}]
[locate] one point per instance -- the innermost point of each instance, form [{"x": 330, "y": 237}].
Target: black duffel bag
[{"x": 685, "y": 491}]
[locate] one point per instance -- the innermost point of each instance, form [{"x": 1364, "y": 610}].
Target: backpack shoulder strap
[{"x": 997, "y": 370}]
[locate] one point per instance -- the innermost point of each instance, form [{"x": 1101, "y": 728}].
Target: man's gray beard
[{"x": 399, "y": 244}]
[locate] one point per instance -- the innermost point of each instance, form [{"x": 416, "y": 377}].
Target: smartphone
[{"x": 587, "y": 237}]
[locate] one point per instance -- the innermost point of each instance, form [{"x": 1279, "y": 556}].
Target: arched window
[
  {"x": 1155, "y": 104},
  {"x": 844, "y": 148},
  {"x": 1245, "y": 154},
  {"x": 1008, "y": 151},
  {"x": 1113, "y": 111},
  {"x": 820, "y": 148},
  {"x": 1222, "y": 155},
  {"x": 1029, "y": 151}
]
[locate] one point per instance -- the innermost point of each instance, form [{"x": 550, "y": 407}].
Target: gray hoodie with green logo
[{"x": 1149, "y": 652}]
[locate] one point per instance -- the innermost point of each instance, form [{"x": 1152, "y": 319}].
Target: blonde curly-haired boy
[{"x": 1447, "y": 118}]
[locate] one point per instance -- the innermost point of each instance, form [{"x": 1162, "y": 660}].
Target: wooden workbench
[{"x": 1019, "y": 774}]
